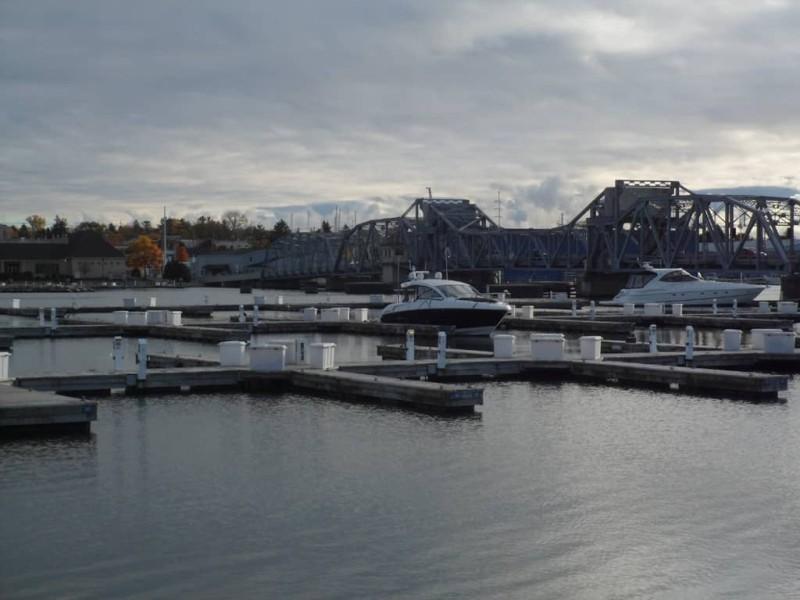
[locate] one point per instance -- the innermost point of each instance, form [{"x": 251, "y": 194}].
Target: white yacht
[
  {"x": 445, "y": 303},
  {"x": 677, "y": 286}
]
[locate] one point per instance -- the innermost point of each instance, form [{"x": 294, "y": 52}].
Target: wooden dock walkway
[
  {"x": 750, "y": 385},
  {"x": 25, "y": 411}
]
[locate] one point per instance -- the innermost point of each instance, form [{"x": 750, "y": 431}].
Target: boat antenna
[{"x": 430, "y": 193}]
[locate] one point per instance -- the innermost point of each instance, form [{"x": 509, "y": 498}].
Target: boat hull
[
  {"x": 463, "y": 321},
  {"x": 706, "y": 295}
]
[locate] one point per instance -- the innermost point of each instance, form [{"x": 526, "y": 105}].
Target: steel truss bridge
[{"x": 634, "y": 222}]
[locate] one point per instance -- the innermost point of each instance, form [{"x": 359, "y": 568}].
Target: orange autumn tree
[{"x": 143, "y": 253}]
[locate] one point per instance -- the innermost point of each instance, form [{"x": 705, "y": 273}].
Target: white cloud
[{"x": 274, "y": 108}]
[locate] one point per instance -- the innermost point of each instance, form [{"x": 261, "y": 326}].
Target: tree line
[{"x": 233, "y": 225}]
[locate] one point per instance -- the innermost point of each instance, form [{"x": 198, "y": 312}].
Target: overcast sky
[{"x": 110, "y": 110}]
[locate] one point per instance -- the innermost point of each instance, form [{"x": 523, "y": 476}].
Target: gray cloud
[{"x": 275, "y": 108}]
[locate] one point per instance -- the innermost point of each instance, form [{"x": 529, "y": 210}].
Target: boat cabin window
[
  {"x": 639, "y": 280},
  {"x": 458, "y": 290},
  {"x": 678, "y": 276},
  {"x": 426, "y": 293}
]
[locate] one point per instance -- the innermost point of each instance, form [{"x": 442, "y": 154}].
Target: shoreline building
[{"x": 81, "y": 255}]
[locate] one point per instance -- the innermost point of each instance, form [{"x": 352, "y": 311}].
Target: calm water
[
  {"x": 551, "y": 491},
  {"x": 554, "y": 491}
]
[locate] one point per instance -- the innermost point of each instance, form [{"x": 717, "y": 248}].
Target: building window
[{"x": 11, "y": 268}]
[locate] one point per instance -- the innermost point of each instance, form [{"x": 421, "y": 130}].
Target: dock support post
[
  {"x": 242, "y": 318},
  {"x": 689, "y": 343},
  {"x": 735, "y": 307},
  {"x": 441, "y": 355},
  {"x": 714, "y": 307},
  {"x": 574, "y": 307},
  {"x": 255, "y": 314},
  {"x": 653, "y": 342},
  {"x": 141, "y": 358},
  {"x": 592, "y": 310},
  {"x": 53, "y": 318},
  {"x": 410, "y": 348},
  {"x": 118, "y": 353},
  {"x": 41, "y": 317}
]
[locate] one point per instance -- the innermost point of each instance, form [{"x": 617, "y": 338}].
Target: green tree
[
  {"x": 177, "y": 271},
  {"x": 59, "y": 228},
  {"x": 281, "y": 229}
]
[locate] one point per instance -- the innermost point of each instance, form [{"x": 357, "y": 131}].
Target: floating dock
[{"x": 25, "y": 411}]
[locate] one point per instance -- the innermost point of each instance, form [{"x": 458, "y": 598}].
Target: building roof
[
  {"x": 83, "y": 244},
  {"x": 33, "y": 251},
  {"x": 89, "y": 244}
]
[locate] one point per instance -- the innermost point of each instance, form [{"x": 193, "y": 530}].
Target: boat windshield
[
  {"x": 458, "y": 290},
  {"x": 678, "y": 276},
  {"x": 639, "y": 280}
]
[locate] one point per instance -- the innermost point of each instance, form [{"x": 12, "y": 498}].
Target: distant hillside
[{"x": 754, "y": 190}]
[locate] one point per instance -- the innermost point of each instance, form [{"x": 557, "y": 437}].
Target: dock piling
[
  {"x": 41, "y": 317},
  {"x": 714, "y": 307},
  {"x": 242, "y": 317},
  {"x": 410, "y": 348},
  {"x": 118, "y": 353},
  {"x": 592, "y": 310},
  {"x": 53, "y": 318},
  {"x": 574, "y": 307},
  {"x": 689, "y": 356},
  {"x": 441, "y": 354},
  {"x": 653, "y": 340},
  {"x": 141, "y": 359}
]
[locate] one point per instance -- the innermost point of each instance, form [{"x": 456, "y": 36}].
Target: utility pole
[
  {"x": 499, "y": 214},
  {"x": 164, "y": 240}
]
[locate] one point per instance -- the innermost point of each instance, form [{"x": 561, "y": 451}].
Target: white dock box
[
  {"x": 757, "y": 337},
  {"x": 547, "y": 346},
  {"x": 120, "y": 317},
  {"x": 322, "y": 355},
  {"x": 129, "y": 302},
  {"x": 677, "y": 310},
  {"x": 154, "y": 317},
  {"x": 779, "y": 342},
  {"x": 329, "y": 314},
  {"x": 268, "y": 358},
  {"x": 310, "y": 314},
  {"x": 787, "y": 308},
  {"x": 764, "y": 308},
  {"x": 344, "y": 313},
  {"x": 732, "y": 340},
  {"x": 4, "y": 358},
  {"x": 527, "y": 312},
  {"x": 137, "y": 318},
  {"x": 292, "y": 347},
  {"x": 174, "y": 317},
  {"x": 232, "y": 354},
  {"x": 376, "y": 299},
  {"x": 359, "y": 315},
  {"x": 653, "y": 308},
  {"x": 14, "y": 303},
  {"x": 503, "y": 345},
  {"x": 591, "y": 347},
  {"x": 628, "y": 309},
  {"x": 259, "y": 300}
]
